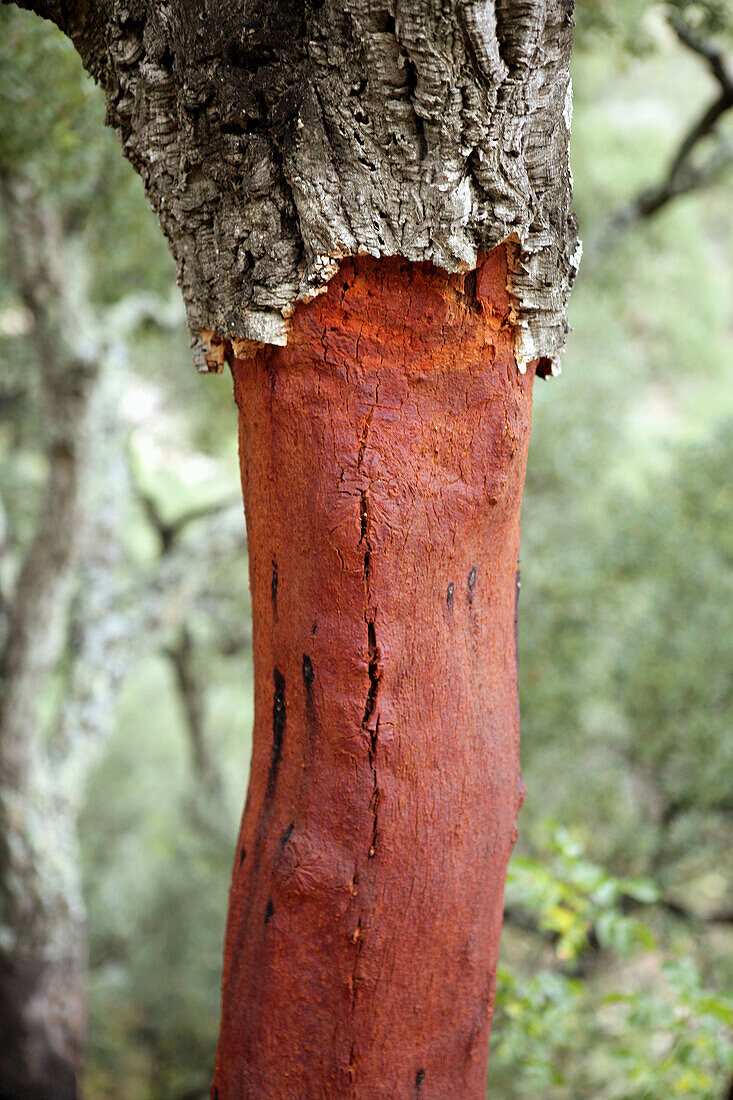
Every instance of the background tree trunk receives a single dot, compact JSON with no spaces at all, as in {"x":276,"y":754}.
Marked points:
{"x":42,"y":942}
{"x":72,"y":584}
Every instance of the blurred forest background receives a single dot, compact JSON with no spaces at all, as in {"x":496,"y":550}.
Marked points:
{"x":124,"y":618}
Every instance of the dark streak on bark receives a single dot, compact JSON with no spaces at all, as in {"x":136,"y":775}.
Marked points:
{"x":471,"y":585}
{"x":279,"y":715}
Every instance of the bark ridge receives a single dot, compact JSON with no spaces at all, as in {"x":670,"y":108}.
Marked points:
{"x":276,"y":138}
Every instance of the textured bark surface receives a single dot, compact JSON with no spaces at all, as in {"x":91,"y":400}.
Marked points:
{"x":383,"y":456}
{"x":309,"y":164}
{"x":275,"y":138}
{"x":42,"y":940}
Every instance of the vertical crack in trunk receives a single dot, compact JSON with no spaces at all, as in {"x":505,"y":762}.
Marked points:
{"x":358,"y":940}
{"x":374,"y":673}
{"x":374,"y":670}
{"x":394,"y":467}
{"x":374,"y":677}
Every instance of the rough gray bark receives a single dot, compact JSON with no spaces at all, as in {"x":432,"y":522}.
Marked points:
{"x":274,"y":138}
{"x":67,"y":380}
{"x":42,"y":956}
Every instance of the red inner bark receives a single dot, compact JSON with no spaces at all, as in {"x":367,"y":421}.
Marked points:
{"x":383,"y":457}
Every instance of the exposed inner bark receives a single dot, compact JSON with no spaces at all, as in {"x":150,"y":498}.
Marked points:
{"x":383,"y":458}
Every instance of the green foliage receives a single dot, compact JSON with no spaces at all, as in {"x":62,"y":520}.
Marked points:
{"x":52,"y":132}
{"x":672,"y":669}
{"x":709,"y":17}
{"x":687,"y":1026}
{"x":606,"y":20}
{"x":536,"y":1022}
{"x":630,"y":24}
{"x":53,"y":138}
{"x":626,"y":564}
{"x":574,"y":898}
{"x":659,"y":1033}
{"x":554,"y":1038}
{"x":158,"y":862}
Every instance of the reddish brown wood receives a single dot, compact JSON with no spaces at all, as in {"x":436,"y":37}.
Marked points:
{"x":383,"y":457}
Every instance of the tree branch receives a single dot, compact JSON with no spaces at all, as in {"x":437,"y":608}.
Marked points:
{"x":526,"y":920}
{"x":676,"y":909}
{"x":68,"y":380}
{"x":182,"y":657}
{"x":169,"y":531}
{"x":682,"y":175}
{"x":120,"y":617}
{"x":711,"y":53}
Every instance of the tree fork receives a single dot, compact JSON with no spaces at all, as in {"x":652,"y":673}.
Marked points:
{"x":383,"y":456}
